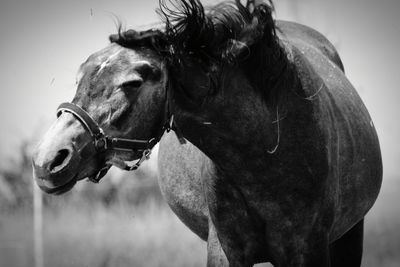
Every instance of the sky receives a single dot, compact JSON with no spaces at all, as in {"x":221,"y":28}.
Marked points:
{"x":43,"y":42}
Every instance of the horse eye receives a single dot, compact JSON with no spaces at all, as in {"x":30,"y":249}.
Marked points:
{"x":132,"y":84}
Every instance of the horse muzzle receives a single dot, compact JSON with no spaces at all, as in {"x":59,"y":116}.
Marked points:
{"x":55,"y":171}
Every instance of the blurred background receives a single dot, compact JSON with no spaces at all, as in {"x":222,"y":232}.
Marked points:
{"x":123,"y":221}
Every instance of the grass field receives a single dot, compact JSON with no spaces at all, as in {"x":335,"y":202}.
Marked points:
{"x":100,"y":236}
{"x":151,"y":235}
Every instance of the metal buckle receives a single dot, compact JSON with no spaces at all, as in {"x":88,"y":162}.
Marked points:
{"x":145,"y":156}
{"x":100,"y":141}
{"x":100,"y":174}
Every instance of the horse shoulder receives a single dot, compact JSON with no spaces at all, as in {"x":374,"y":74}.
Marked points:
{"x":181,"y":169}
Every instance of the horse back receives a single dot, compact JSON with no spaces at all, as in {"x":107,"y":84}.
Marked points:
{"x":298,"y":33}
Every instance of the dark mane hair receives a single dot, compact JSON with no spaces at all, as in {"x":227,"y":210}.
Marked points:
{"x":227,"y":33}
{"x":222,"y":31}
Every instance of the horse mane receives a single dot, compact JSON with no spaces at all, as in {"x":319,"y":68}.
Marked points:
{"x":226,"y":33}
{"x":221,"y":31}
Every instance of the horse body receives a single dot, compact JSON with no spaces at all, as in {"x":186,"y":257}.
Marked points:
{"x":283,"y":161}
{"x":350,"y":148}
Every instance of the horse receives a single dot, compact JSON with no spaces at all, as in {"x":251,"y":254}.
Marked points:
{"x":266,"y":150}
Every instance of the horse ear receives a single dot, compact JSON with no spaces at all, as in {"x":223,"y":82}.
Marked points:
{"x":113,"y":38}
{"x":154,"y":37}
{"x":150,"y":38}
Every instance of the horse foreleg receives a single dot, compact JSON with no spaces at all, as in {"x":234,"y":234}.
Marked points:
{"x":215,"y":254}
{"x":347,"y":250}
{"x":299,"y":249}
{"x":317,"y":256}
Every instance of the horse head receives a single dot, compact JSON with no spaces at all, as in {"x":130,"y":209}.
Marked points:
{"x":122,"y":90}
{"x":122,"y":105}
{"x":116,"y":115}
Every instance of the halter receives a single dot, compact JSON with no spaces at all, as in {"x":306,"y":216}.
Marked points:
{"x":103,"y":142}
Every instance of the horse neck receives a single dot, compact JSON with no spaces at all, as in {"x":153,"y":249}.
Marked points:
{"x":238,"y":128}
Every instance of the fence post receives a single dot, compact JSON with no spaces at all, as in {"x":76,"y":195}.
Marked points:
{"x":38,"y":225}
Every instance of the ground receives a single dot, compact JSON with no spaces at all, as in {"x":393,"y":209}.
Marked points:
{"x":151,"y":235}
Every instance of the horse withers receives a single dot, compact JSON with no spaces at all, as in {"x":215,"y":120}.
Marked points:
{"x":276,"y":160}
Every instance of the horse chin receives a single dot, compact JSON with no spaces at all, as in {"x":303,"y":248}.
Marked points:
{"x":59,"y":189}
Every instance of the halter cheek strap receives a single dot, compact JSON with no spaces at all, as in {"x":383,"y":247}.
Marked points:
{"x":103,"y":142}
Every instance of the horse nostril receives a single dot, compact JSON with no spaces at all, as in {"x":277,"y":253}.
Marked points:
{"x":59,"y":159}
